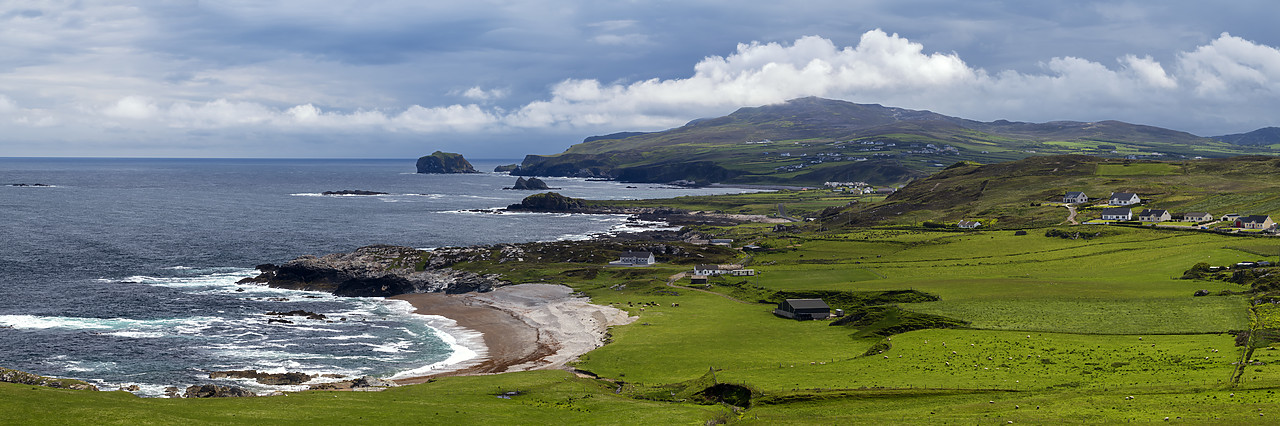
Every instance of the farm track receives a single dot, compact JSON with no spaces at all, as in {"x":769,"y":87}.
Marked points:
{"x":671,"y":282}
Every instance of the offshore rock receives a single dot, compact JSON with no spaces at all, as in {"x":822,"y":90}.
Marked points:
{"x":216,"y":391}
{"x":376,"y":271}
{"x":444,"y":162}
{"x":530,"y":184}
{"x":352,"y":192}
{"x":549,"y":202}
{"x":369,"y":381}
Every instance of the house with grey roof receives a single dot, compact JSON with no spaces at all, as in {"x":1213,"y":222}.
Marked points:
{"x":1075,"y":197}
{"x":1117,"y":213}
{"x":1123,"y":199}
{"x":1255,"y":222}
{"x":1154,"y":215}
{"x":1196,"y":217}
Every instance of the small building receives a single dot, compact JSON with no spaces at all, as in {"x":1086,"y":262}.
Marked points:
{"x":1254,"y":222}
{"x":1230,"y":217}
{"x":698,"y":279}
{"x":743,"y":272}
{"x":1154,"y":215}
{"x":1123,"y":199}
{"x":721,"y":242}
{"x":803,"y":309}
{"x":1074,"y":197}
{"x":966,"y":224}
{"x":1196,"y":217}
{"x":636,"y":258}
{"x":1118,"y":213}
{"x":708,"y":270}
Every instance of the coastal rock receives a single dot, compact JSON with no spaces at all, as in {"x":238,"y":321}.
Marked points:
{"x":299,"y":313}
{"x":376,"y":271}
{"x":275,"y":379}
{"x":369,"y":381}
{"x":506,"y":168}
{"x":549,"y":202}
{"x":216,"y":391}
{"x":444,"y":162}
{"x":25,"y":378}
{"x":353,"y":192}
{"x":530,"y":184}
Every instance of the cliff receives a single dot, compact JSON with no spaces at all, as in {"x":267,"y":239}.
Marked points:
{"x":444,"y":162}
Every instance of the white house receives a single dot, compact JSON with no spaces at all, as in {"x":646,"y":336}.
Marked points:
{"x":1117,"y":214}
{"x":743,"y":272}
{"x":1123,"y":199}
{"x":1255,"y":222}
{"x":969,"y":224}
{"x":1154,"y":215}
{"x":1230,"y":217}
{"x":1074,"y":197}
{"x":1196,"y":217}
{"x":708,"y":270}
{"x":636,"y":258}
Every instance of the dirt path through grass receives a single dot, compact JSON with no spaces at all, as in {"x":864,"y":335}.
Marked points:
{"x":1071,"y":216}
{"x":671,"y":282}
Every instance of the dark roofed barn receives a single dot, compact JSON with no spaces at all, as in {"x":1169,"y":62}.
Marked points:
{"x":803,"y":309}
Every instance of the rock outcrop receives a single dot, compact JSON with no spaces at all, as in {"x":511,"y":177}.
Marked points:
{"x":353,"y":192}
{"x":275,"y":379}
{"x":506,"y":168}
{"x":25,"y":378}
{"x":532,"y":183}
{"x":549,"y":202}
{"x":216,"y":391}
{"x":444,"y":162}
{"x":374,"y":271}
{"x":369,"y":381}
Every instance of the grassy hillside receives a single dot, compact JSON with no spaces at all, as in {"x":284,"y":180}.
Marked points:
{"x":808,"y":141}
{"x":1008,"y":194}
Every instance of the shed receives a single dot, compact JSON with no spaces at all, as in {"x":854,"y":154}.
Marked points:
{"x":803,"y":309}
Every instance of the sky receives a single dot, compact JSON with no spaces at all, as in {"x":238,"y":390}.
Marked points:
{"x":505,"y":78}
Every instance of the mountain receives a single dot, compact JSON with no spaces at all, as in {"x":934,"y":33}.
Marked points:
{"x":1263,"y":136}
{"x":812,"y":140}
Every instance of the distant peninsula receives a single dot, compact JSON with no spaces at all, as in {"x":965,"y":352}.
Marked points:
{"x":444,"y":162}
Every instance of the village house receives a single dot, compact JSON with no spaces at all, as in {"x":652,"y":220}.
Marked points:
{"x":1154,"y":215}
{"x":1254,"y":222}
{"x":1230,"y":217}
{"x":1196,"y":217}
{"x":803,"y":309}
{"x":1123,"y":199}
{"x":743,"y":272}
{"x":1075,"y":197}
{"x":635,"y":258}
{"x":698,"y":279}
{"x":1118,"y":213}
{"x":708,"y":270}
{"x":966,"y":224}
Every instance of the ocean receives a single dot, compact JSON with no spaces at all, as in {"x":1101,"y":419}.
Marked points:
{"x":123,"y":272}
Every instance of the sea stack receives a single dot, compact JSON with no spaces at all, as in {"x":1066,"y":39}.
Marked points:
{"x":530,"y":184}
{"x":444,"y":162}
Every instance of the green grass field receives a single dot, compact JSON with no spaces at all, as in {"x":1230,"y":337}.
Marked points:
{"x":1100,"y":329}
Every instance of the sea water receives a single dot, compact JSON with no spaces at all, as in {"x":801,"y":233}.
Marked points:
{"x":123,"y":271}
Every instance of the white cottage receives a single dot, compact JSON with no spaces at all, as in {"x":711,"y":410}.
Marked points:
{"x":1123,"y":199}
{"x":1117,"y":214}
{"x":636,"y":258}
{"x":1075,"y":197}
{"x":1154,"y":215}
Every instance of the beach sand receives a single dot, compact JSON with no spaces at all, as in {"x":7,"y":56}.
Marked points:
{"x":525,"y":326}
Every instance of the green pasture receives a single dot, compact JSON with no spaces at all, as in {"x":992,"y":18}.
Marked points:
{"x":545,"y":397}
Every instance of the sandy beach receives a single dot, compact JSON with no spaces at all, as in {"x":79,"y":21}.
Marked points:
{"x":525,"y":326}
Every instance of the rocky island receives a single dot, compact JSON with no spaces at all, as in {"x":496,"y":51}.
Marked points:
{"x":532,"y":184}
{"x":444,"y":162}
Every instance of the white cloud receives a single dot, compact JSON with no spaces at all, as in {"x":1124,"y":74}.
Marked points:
{"x":132,"y":107}
{"x":479,"y":94}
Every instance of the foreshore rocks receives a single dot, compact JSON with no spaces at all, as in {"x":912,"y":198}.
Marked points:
{"x":551,"y":202}
{"x":275,"y":379}
{"x":375,"y":271}
{"x":216,"y":391}
{"x":25,"y":378}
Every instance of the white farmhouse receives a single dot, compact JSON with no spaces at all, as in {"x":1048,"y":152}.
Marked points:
{"x":1117,"y":214}
{"x":1123,"y":199}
